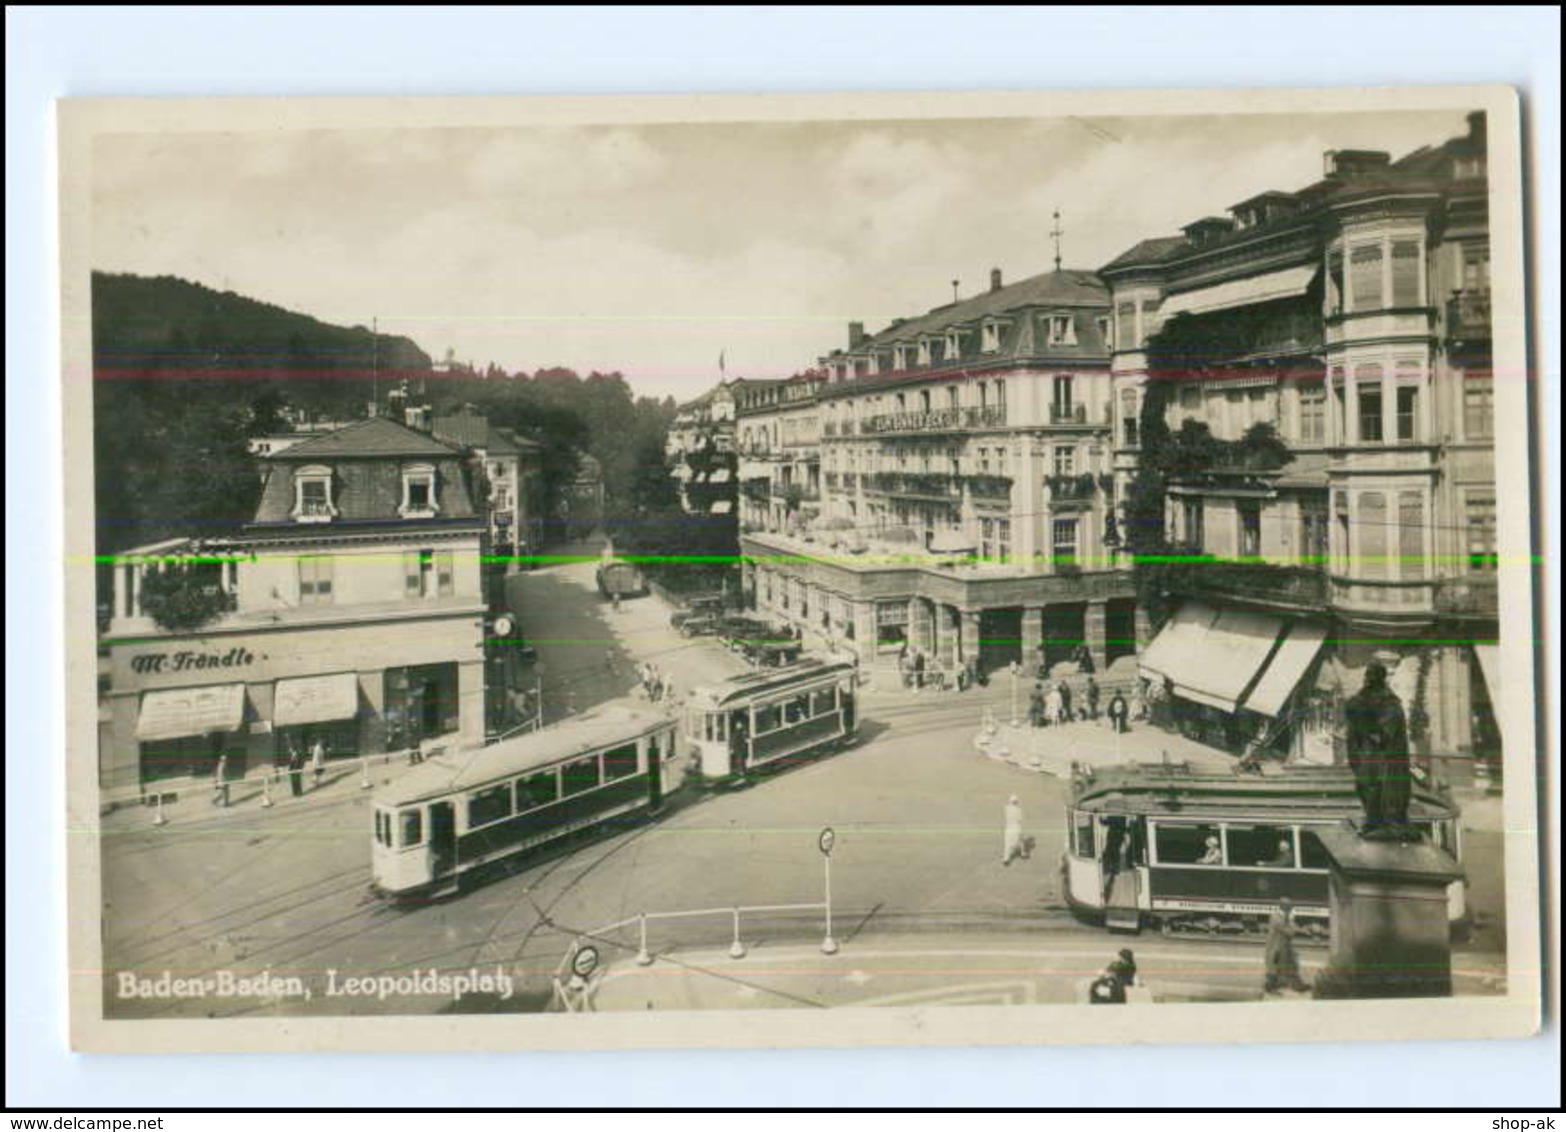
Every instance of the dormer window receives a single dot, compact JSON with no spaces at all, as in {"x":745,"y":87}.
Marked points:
{"x":990,"y":342}
{"x":1106,"y":331}
{"x":924,"y":351}
{"x":953,"y":344}
{"x":313,"y":495}
{"x":418,"y":492}
{"x":1062,"y":330}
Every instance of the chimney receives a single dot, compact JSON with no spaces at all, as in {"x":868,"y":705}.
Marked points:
{"x":1476,"y":126}
{"x":995,"y":279}
{"x":856,"y":335}
{"x":1348,"y":163}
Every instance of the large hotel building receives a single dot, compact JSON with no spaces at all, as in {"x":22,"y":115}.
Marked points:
{"x":976,"y":465}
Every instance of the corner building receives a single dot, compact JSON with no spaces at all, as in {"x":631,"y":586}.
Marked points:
{"x":1353,"y":316}
{"x":352,"y":611}
{"x":965,"y":486}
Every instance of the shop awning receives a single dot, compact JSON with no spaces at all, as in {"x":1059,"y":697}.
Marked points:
{"x":316,"y":699}
{"x":1212,"y":658}
{"x":1490,"y":664}
{"x":1235,"y":649}
{"x":1177,"y":648}
{"x":181,"y":713}
{"x":1283,"y":284}
{"x":1293,"y":659}
{"x":722,"y":507}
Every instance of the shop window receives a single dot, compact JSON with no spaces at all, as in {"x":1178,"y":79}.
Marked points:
{"x":580,"y":776}
{"x":489,"y":805}
{"x":620,"y":763}
{"x":315,"y":581}
{"x":1191,"y":524}
{"x":1249,"y":513}
{"x":412,"y":828}
{"x":1313,"y":533}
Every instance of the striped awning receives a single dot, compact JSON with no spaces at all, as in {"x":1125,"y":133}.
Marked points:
{"x":316,"y":699}
{"x":1490,"y":664}
{"x":182,"y":713}
{"x":1293,"y":659}
{"x":1212,"y":657}
{"x":1283,"y":284}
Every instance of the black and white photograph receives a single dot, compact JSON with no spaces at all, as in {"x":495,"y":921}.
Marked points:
{"x":581,"y":573}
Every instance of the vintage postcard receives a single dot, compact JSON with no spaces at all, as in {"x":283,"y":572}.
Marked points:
{"x":611,"y":573}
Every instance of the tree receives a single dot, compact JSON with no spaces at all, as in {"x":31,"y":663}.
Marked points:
{"x":182,"y":596}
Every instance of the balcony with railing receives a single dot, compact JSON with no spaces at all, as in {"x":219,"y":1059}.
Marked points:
{"x":1068,"y":414}
{"x":988,"y":486}
{"x":1076,"y":488}
{"x":952,"y":419}
{"x":928,"y":485}
{"x":1262,"y":583}
{"x":1468,"y":316}
{"x":1473,"y":596}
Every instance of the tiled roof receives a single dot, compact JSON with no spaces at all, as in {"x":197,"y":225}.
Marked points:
{"x":1052,"y":289}
{"x":1152,"y":251}
{"x":465,"y":430}
{"x":504,"y":442}
{"x":1427,"y":169}
{"x":368,"y":491}
{"x":369,"y":438}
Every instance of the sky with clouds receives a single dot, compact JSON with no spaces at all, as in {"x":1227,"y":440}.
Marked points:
{"x":650,"y":249}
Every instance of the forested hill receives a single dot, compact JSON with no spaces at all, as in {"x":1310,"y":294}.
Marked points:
{"x":183,"y":374}
{"x":164,"y":326}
